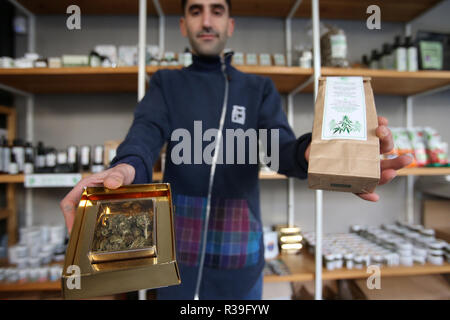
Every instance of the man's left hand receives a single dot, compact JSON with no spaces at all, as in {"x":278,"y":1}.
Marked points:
{"x":388,"y":167}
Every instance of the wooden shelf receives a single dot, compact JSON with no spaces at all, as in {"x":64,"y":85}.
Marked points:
{"x":30,"y":286}
{"x":302,"y":269}
{"x":157,"y":176}
{"x":286,"y":79}
{"x":122,"y":79}
{"x":400,"y":10}
{"x":300,"y":266}
{"x":391,"y":82}
{"x":424,"y":171}
{"x":71,"y":80}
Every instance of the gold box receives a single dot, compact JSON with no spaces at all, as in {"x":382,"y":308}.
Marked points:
{"x":122,"y":240}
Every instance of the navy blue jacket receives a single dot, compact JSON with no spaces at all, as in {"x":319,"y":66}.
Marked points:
{"x":175,"y":99}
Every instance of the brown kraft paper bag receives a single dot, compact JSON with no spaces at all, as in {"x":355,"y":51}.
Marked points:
{"x":345,"y":153}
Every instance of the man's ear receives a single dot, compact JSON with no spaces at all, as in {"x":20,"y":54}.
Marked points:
{"x":231,"y":24}
{"x":183,"y":27}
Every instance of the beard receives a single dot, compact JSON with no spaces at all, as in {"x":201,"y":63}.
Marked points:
{"x":208,"y":48}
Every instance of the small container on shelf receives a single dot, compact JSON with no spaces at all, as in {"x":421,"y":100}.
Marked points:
{"x":43,"y":274}
{"x":22,"y":275}
{"x":436,"y":257}
{"x":33,"y":275}
{"x":12,"y":275}
{"x":329,"y":261}
{"x":348,"y":258}
{"x":421,"y":260}
{"x":34,"y":262}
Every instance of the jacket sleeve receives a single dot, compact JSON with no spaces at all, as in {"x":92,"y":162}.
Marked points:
{"x":148,"y":133}
{"x":292,"y":162}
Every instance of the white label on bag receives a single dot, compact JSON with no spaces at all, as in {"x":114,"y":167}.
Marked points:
{"x":344,"y":114}
{"x":338,"y":46}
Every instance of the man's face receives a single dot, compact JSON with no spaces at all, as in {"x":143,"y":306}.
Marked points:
{"x":208,"y":26}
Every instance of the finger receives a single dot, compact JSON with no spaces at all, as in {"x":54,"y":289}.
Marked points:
{"x":382,"y":121}
{"x":70,"y":202}
{"x":114,"y":179}
{"x":387,"y":176}
{"x":372,"y":197}
{"x":386,"y":140}
{"x":397,"y":163}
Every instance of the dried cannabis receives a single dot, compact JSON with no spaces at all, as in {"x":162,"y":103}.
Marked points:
{"x":124,"y":226}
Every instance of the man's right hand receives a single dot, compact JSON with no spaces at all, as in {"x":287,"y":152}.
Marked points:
{"x":122,"y":174}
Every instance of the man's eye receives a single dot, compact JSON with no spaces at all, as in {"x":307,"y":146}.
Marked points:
{"x":195,"y":12}
{"x":218,"y":12}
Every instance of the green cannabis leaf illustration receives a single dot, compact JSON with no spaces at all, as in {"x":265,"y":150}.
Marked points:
{"x":332,"y":124}
{"x":346,"y":125}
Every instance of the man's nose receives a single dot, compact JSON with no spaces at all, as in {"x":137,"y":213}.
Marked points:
{"x":206,"y":20}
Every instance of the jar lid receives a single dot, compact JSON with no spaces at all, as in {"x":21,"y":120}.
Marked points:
{"x":436,"y":253}
{"x":329,"y":257}
{"x":437,"y":245}
{"x":428,"y":232}
{"x":404,"y":245}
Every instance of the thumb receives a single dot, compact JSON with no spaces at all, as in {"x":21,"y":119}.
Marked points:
{"x":114,"y":179}
{"x":123,"y":174}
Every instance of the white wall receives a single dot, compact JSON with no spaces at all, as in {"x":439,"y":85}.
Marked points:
{"x":61,"y":120}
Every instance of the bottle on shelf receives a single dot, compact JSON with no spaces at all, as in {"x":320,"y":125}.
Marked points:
{"x":50,"y":160}
{"x":19,"y":153}
{"x":6,"y":155}
{"x":29,"y":165}
{"x":386,"y":58}
{"x":412,"y":57}
{"x":365,"y":61}
{"x":85,"y":158}
{"x":72,"y":158}
{"x":97,"y":165}
{"x":62,"y":165}
{"x":400,"y":55}
{"x":375,"y":60}
{"x":39,"y":166}
{"x":13,"y":165}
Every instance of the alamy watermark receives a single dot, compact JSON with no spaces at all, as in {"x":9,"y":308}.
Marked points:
{"x":374,"y":21}
{"x":73,"y":22}
{"x":74,"y":280}
{"x":374,"y":280}
{"x":235,"y":140}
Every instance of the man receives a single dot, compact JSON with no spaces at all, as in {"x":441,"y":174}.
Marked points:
{"x":223,"y":198}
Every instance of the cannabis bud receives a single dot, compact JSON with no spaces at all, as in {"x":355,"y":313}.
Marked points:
{"x":123,"y":226}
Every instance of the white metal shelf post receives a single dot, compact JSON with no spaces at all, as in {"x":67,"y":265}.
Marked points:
{"x":319,"y":193}
{"x":141,"y":72}
{"x":290,"y":106}
{"x":290,"y":112}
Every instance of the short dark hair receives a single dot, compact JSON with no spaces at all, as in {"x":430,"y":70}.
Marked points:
{"x":184,"y":2}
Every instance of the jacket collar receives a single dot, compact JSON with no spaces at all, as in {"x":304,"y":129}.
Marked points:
{"x":203,"y":63}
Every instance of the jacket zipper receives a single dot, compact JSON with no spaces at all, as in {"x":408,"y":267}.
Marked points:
{"x":211,"y":178}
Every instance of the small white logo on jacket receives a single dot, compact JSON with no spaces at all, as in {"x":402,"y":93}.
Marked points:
{"x":238,"y":115}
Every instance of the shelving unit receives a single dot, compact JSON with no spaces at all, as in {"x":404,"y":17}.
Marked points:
{"x":31,"y":286}
{"x":288,"y":80}
{"x":157,"y":176}
{"x":302,"y":269}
